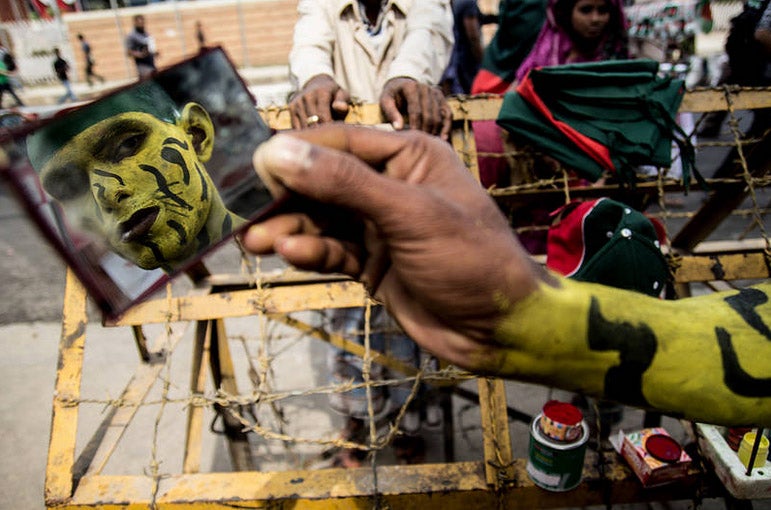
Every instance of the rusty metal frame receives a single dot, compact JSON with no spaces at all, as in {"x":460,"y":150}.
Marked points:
{"x":497,"y":481}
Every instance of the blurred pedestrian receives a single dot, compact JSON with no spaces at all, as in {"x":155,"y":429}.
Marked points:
{"x":199,"y":35}
{"x":62,"y":68}
{"x":7,"y":72}
{"x":90,"y":74}
{"x":141,"y":47}
{"x":468,"y":51}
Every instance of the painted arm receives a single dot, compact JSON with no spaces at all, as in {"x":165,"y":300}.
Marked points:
{"x":705,"y":358}
{"x":435,"y":249}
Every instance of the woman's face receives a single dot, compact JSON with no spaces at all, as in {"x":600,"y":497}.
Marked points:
{"x":590,"y":18}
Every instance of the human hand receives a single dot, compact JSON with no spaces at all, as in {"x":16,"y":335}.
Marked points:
{"x":425,"y":105}
{"x":320,"y":101}
{"x":418,"y":231}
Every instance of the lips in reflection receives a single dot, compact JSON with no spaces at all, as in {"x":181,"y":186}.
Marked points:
{"x":139,"y":224}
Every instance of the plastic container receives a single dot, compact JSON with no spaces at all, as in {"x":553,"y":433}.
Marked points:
{"x":745,"y":450}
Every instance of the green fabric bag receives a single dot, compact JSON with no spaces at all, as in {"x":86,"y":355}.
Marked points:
{"x":620,"y":113}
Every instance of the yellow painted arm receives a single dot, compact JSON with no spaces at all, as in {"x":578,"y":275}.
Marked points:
{"x":705,"y":358}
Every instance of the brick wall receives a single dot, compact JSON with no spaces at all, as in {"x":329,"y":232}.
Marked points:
{"x":253,"y":32}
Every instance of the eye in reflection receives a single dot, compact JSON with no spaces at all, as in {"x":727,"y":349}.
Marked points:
{"x":128,"y":147}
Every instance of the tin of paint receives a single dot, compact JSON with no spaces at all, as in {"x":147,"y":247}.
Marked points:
{"x":561,"y":421}
{"x":555,"y":465}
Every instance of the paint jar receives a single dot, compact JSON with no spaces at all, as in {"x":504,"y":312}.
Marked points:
{"x":556,"y":465}
{"x":561,"y":421}
{"x":745,"y":450}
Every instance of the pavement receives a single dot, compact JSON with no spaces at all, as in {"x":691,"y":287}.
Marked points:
{"x":30,"y":326}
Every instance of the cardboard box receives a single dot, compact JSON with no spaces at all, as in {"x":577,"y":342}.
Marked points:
{"x":650,"y":470}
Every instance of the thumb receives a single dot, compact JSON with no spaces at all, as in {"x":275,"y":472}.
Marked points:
{"x":391,"y":111}
{"x":341,"y":100}
{"x":324,"y":175}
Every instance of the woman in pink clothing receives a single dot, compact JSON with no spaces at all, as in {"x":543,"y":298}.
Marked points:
{"x":572,"y":31}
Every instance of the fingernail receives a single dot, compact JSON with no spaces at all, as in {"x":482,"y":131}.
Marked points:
{"x":289,"y":154}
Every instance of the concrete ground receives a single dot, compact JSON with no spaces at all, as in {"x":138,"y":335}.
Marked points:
{"x":30,"y":313}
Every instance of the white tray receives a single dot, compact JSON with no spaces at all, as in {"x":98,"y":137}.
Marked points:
{"x":729,"y":469}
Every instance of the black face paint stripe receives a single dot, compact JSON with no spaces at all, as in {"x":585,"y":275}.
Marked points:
{"x":204,"y":185}
{"x":227,"y":225}
{"x":110,"y":175}
{"x":163,"y":186}
{"x":155,"y":249}
{"x":175,"y":141}
{"x":179,"y":230}
{"x":100,"y":192}
{"x":203,"y":239}
{"x":636,"y":346}
{"x":174,"y":157}
{"x":734,"y":376}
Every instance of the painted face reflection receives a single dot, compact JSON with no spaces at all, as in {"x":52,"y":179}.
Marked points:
{"x":136,"y":181}
{"x":590,"y":18}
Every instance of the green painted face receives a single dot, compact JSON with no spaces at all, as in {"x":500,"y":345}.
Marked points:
{"x":138,"y":182}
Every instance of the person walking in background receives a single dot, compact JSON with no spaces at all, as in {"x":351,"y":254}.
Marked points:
{"x":141,"y":47}
{"x":199,"y":35}
{"x":62,"y":69}
{"x":7,"y":72}
{"x":89,"y":60}
{"x":468,"y":51}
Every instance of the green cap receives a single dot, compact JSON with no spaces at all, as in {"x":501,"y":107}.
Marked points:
{"x":145,"y":97}
{"x":607,"y":242}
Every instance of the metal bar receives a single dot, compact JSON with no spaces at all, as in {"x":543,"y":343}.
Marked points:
{"x":343,"y":343}
{"x":64,"y":419}
{"x":429,"y":486}
{"x":194,"y":428}
{"x":512,"y":413}
{"x":224,"y":377}
{"x":268,"y":300}
{"x":141,"y":342}
{"x":704,"y":268}
{"x":499,"y":459}
{"x":465,"y":146}
{"x":487,"y":107}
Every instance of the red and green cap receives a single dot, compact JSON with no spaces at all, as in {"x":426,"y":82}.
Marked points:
{"x":607,"y":242}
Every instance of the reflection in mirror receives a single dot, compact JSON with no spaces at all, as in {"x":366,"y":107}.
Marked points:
{"x":136,"y":186}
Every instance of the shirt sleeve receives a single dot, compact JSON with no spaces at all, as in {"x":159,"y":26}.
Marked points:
{"x":427,"y":47}
{"x":312,"y":44}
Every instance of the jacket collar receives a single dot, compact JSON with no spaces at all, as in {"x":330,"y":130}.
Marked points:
{"x":402,"y":5}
